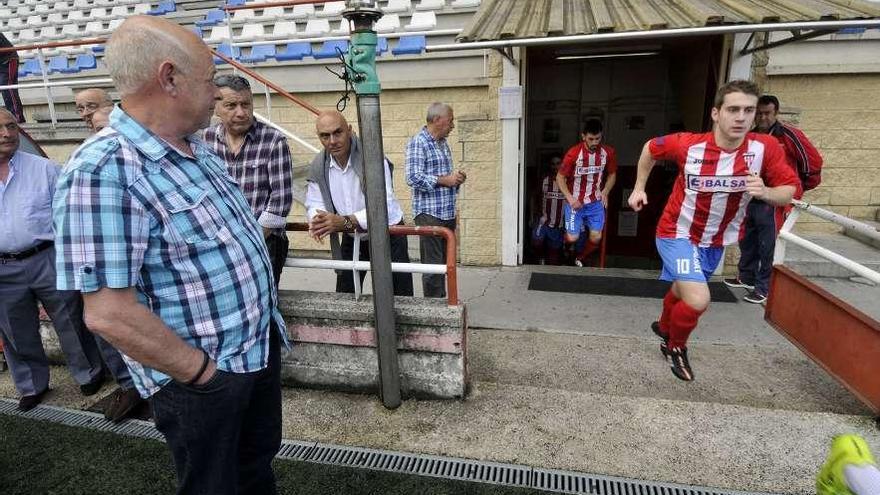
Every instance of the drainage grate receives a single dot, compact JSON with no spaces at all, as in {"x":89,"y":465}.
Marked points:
{"x":400,"y":462}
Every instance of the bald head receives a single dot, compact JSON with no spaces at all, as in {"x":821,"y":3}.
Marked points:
{"x":334,"y":132}
{"x":142,"y":44}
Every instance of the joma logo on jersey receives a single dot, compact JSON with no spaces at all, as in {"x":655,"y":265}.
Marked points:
{"x":588,"y":170}
{"x":716,"y":183}
{"x":553,"y":195}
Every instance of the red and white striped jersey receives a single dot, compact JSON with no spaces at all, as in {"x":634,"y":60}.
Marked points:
{"x":552,"y":201}
{"x":584,"y":169}
{"x":708,"y":201}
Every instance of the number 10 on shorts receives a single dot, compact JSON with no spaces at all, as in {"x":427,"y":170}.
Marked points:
{"x":683,"y":266}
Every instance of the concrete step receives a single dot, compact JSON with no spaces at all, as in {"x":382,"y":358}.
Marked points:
{"x":812,"y":265}
{"x":861,"y":237}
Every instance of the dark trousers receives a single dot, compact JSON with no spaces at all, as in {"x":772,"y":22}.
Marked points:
{"x":757,"y":245}
{"x":224,"y":434}
{"x":433,"y":251}
{"x":403,"y":283}
{"x":278,"y":245}
{"x":11,"y":100}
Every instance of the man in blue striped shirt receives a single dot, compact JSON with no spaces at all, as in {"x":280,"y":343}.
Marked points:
{"x":172,"y":264}
{"x":435,"y":187}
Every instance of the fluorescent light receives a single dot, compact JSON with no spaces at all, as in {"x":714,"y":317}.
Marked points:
{"x":606,"y":55}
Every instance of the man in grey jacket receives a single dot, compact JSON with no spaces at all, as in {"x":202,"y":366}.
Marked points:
{"x":335,"y":201}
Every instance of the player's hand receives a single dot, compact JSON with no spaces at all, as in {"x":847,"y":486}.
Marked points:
{"x":575,"y":205}
{"x":605,"y":200}
{"x":637,"y":200}
{"x":755,"y":186}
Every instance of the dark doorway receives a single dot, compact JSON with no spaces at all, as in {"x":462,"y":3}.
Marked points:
{"x":638,"y":92}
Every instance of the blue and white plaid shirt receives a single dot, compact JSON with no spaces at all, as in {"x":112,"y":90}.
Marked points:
{"x":426,"y":160}
{"x":132,"y":211}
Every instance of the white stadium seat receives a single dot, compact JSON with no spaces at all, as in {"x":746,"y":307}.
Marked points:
{"x":115,"y":23}
{"x":316,"y":27}
{"x":219,"y":34}
{"x":95,"y":28}
{"x":332,"y":9}
{"x":15,"y":23}
{"x":465,"y":4}
{"x":243,"y":15}
{"x":62,"y":6}
{"x":141,"y":8}
{"x":283,"y":30}
{"x":431,"y":5}
{"x":5,"y":13}
{"x":27,"y":36}
{"x":119,"y":11}
{"x":82,"y":4}
{"x":422,"y":21}
{"x":56,"y":18}
{"x":75,"y":16}
{"x":303,"y":11}
{"x":398,"y":6}
{"x":99,"y":13}
{"x":70,"y":31}
{"x":49,"y":33}
{"x":251,"y":32}
{"x":23,"y":11}
{"x":35,"y":21}
{"x":388,"y":23}
{"x":42,"y":8}
{"x":271,"y":13}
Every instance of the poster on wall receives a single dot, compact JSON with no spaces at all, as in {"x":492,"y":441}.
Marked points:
{"x":627,"y":224}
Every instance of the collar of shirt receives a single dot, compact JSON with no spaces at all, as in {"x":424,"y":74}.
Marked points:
{"x":250,"y":135}
{"x":427,"y":135}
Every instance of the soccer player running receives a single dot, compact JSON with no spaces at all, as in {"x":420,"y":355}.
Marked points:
{"x":721,"y":171}
{"x":579,"y":180}
{"x":547,"y":234}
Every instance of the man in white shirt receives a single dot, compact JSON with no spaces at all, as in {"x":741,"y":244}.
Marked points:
{"x":335,"y":201}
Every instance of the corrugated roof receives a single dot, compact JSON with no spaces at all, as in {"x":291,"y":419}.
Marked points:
{"x":505,"y":19}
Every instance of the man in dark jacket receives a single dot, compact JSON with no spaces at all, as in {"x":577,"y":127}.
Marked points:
{"x":9,"y":75}
{"x":335,"y":201}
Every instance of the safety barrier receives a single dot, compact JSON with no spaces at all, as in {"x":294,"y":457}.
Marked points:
{"x":355,"y":265}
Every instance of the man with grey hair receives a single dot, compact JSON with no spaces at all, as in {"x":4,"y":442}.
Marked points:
{"x":258,"y":158}
{"x":88,"y":101}
{"x":172,"y":264}
{"x":435,"y":187}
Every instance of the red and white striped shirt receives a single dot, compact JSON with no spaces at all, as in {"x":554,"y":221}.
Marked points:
{"x":584,"y":169}
{"x":708,"y":200}
{"x":552,"y":200}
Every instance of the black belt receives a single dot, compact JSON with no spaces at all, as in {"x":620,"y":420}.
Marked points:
{"x":27,"y":253}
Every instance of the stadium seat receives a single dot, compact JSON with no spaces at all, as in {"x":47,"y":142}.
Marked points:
{"x":71,"y":31}
{"x":32,"y":66}
{"x":431,"y":5}
{"x":141,"y":9}
{"x":56,"y":19}
{"x":73,"y":16}
{"x":49,"y":33}
{"x":316,"y":28}
{"x":388,"y":23}
{"x":27,"y":36}
{"x":251,"y":32}
{"x":271,"y":14}
{"x":302,"y":11}
{"x":119,"y":11}
{"x":35,"y":21}
{"x":422,"y":21}
{"x":94,"y":28}
{"x":211,"y":18}
{"x":99,"y":13}
{"x":61,"y":6}
{"x":42,"y":8}
{"x":329,"y":49}
{"x":23,"y":11}
{"x":343,"y":30}
{"x":410,"y":45}
{"x":219,"y":34}
{"x":332,"y":9}
{"x":5,"y":13}
{"x":15,"y":23}
{"x":397,"y":6}
{"x":97,"y":49}
{"x":227,"y":50}
{"x":465,"y":4}
{"x":235,"y":3}
{"x":381,"y":46}
{"x":82,"y":4}
{"x":58,"y":64}
{"x":243,"y":15}
{"x":163,"y":8}
{"x":86,"y":61}
{"x":115,"y":23}
{"x":294,"y":51}
{"x":259,"y":53}
{"x":283,"y":30}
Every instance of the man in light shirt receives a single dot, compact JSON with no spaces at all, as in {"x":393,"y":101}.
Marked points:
{"x":335,"y":201}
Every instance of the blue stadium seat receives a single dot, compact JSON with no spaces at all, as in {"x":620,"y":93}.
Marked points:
{"x":328,"y":49}
{"x":382,"y":46}
{"x":410,"y":45}
{"x":31,"y":67}
{"x":85,"y":61}
{"x":294,"y":51}
{"x":98,"y":49}
{"x":235,"y":3}
{"x":163,"y":8}
{"x":227,"y":50}
{"x":851,"y":30}
{"x":211,"y":18}
{"x":259,"y":53}
{"x":59,"y":64}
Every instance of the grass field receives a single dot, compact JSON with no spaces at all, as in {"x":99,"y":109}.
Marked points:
{"x":38,"y":457}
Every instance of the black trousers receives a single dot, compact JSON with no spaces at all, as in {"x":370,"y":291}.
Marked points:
{"x":278,"y":246}
{"x":757,"y":246}
{"x":224,"y":434}
{"x":433,"y":251}
{"x":403,"y":283}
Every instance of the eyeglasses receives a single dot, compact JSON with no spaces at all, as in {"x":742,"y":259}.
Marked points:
{"x":87,"y":107}
{"x":236,"y":83}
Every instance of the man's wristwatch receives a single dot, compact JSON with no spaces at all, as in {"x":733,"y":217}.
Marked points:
{"x":346,"y":223}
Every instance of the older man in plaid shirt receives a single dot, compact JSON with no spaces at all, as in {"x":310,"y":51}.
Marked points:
{"x":172,"y":264}
{"x":435,"y":187}
{"x":258,"y":158}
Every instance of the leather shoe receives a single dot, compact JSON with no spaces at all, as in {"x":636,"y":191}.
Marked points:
{"x":124,"y":402}
{"x":28,"y":402}
{"x":93,"y":386}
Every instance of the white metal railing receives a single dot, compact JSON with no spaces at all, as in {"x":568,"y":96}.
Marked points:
{"x":787,"y":236}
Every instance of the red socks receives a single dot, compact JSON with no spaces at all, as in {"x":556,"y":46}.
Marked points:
{"x":589,"y":248}
{"x":668,"y":303}
{"x":682,"y":321}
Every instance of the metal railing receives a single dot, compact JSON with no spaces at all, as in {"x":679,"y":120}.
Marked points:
{"x":787,"y":236}
{"x":356,"y":266}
